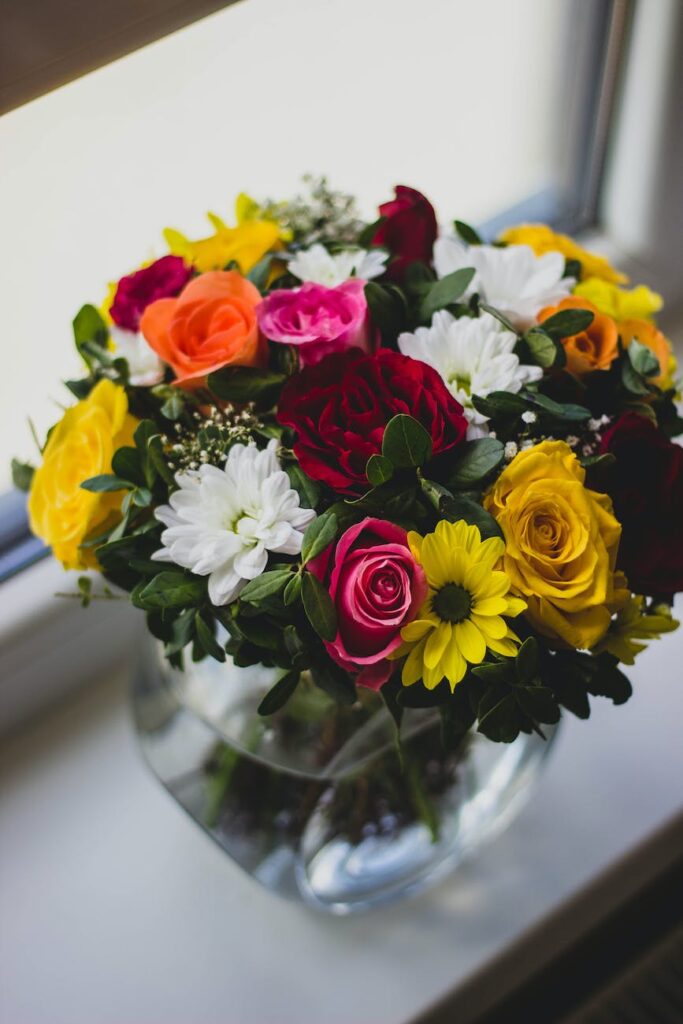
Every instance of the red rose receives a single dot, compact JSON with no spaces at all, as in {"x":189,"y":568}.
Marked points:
{"x":377,"y":587}
{"x":162,"y":279}
{"x":409,"y":230}
{"x":647,"y":489}
{"x":340,"y":407}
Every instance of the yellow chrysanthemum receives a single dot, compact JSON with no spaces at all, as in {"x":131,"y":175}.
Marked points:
{"x":620,"y":303}
{"x":461,"y":618}
{"x":542,"y":239}
{"x":633,"y":624}
{"x":246,"y":244}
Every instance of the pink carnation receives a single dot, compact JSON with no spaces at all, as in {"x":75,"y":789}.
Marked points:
{"x":317,"y":320}
{"x":377,"y":587}
{"x":162,"y":279}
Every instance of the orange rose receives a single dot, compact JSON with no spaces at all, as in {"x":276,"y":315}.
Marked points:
{"x":647,"y":334}
{"x":211,"y":324}
{"x":597,"y":347}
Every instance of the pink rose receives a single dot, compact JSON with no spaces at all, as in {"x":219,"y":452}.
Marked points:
{"x":377,"y":587}
{"x":317,"y":320}
{"x":135,"y":292}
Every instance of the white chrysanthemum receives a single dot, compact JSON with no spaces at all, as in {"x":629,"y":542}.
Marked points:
{"x":474,"y":357}
{"x":146,"y":369}
{"x":511,"y":278}
{"x":322,"y":267}
{"x":222,"y":523}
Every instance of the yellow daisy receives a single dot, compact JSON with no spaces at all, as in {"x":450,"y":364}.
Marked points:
{"x":461,"y":617}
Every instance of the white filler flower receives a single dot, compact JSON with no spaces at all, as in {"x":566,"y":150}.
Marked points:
{"x":222,"y":523}
{"x":144,"y":365}
{"x":474,"y":357}
{"x":322,"y":267}
{"x":511,"y":278}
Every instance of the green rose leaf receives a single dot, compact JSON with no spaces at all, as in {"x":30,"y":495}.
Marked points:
{"x":460,"y":507}
{"x":171,"y":590}
{"x":379,"y":470}
{"x":279,"y":694}
{"x":567,"y":323}
{"x":406,"y":443}
{"x":446,"y":291}
{"x":476,"y":460}
{"x":265,"y":585}
{"x":643,"y":360}
{"x":545,"y":351}
{"x":246,"y":384}
{"x":319,"y":607}
{"x":319,"y":534}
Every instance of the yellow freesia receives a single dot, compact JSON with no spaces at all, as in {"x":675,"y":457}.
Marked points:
{"x":80,"y":446}
{"x":245,"y":244}
{"x":542,"y":239}
{"x":561,"y":543}
{"x":638,"y":303}
{"x":633,"y":624}
{"x":462,"y":615}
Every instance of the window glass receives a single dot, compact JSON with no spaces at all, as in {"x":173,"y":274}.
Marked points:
{"x":465,"y":101}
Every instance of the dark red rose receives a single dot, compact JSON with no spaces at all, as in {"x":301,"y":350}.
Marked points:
{"x":647,"y":490}
{"x":162,"y":279}
{"x":409,"y":231}
{"x":340,"y":407}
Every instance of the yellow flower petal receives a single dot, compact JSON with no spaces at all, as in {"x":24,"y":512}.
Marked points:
{"x":436,"y":644}
{"x":470,"y":641}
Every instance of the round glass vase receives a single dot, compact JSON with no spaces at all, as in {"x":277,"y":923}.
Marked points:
{"x":314,"y":802}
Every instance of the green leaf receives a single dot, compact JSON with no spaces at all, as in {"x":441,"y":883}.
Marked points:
{"x":387,"y":308}
{"x":246,"y":384}
{"x":260,"y":272}
{"x":90,"y":334}
{"x":567,"y":323}
{"x":500,"y":672}
{"x":476,"y":460}
{"x":564,"y":411}
{"x":335,"y":682}
{"x":497,"y":315}
{"x":172,"y":590}
{"x":434,"y":491}
{"x":307,"y":489}
{"x":279,"y":694}
{"x":207,"y":639}
{"x":460,"y":507}
{"x":632,"y":381}
{"x":369,"y":231}
{"x":263,"y":586}
{"x":126,"y":465}
{"x":538,"y":703}
{"x":293,"y":590}
{"x":155,"y":453}
{"x":468,"y":234}
{"x":500,"y":403}
{"x":405,"y":442}
{"x":105,"y":482}
{"x":319,"y":607}
{"x":500,"y":719}
{"x":446,"y":291}
{"x":526,"y":662}
{"x":173,"y":407}
{"x":643,"y":360}
{"x":545,"y":351}
{"x":379,"y":470}
{"x":22,"y":475}
{"x":319,"y":535}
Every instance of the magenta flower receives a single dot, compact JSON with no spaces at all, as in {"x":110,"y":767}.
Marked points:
{"x":317,"y":320}
{"x":162,"y":279}
{"x":377,"y":587}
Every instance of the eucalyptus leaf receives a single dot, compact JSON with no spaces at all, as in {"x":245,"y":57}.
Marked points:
{"x":545,"y":351}
{"x":446,"y":291}
{"x":379,"y":470}
{"x":568,"y":322}
{"x":460,"y":507}
{"x":475,"y":461}
{"x":643,"y":360}
{"x":406,"y":443}
{"x":126,"y":465}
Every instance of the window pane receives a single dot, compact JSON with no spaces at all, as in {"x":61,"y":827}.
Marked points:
{"x":464,"y":101}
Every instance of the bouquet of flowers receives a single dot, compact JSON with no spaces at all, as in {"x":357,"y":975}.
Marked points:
{"x":383,"y":455}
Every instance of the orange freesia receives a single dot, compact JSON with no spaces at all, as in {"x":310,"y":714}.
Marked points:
{"x":647,"y":334}
{"x":597,"y":347}
{"x":211,"y":324}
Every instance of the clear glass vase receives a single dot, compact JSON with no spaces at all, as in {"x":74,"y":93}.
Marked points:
{"x":315,"y":802}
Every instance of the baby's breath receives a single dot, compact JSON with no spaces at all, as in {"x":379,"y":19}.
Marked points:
{"x":209,"y":440}
{"x":323,"y":215}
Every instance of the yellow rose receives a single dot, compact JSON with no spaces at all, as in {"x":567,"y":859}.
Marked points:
{"x":561,"y":544}
{"x":246,"y":244}
{"x":81,"y":445}
{"x":542,"y":239}
{"x":620,"y":303}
